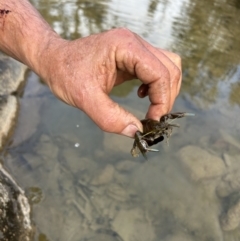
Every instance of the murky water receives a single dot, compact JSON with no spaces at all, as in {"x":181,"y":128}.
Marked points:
{"x":84,"y":185}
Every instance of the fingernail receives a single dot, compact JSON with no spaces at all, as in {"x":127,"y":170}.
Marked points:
{"x":129,"y":131}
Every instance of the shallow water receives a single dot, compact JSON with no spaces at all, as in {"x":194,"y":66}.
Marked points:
{"x":84,"y":185}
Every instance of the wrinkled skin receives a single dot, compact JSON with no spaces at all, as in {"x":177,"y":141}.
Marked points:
{"x":82,"y":72}
{"x":154,"y":132}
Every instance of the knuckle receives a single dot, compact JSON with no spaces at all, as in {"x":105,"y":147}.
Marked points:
{"x":124,"y":36}
{"x":177,"y":74}
{"x":165,"y":75}
{"x":124,"y":32}
{"x":177,"y":60}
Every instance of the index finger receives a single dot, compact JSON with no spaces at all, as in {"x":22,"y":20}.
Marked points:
{"x":172,"y":62}
{"x":142,"y":63}
{"x":151,"y":71}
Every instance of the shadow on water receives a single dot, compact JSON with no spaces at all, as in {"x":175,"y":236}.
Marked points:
{"x":84,"y":185}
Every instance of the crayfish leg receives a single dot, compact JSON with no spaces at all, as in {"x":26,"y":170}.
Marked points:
{"x":175,"y":115}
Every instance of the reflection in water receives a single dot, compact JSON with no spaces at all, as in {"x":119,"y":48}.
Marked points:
{"x":95,"y":190}
{"x":204,"y":33}
{"x":207,"y":40}
{"x":234,"y":96}
{"x":74,"y":19}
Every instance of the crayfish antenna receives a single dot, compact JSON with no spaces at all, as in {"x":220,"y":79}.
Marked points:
{"x":153,"y":150}
{"x":189,"y":114}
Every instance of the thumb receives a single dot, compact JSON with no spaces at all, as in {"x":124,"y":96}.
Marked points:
{"x":110,"y":116}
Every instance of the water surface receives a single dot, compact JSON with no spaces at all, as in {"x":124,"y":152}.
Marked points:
{"x":83,"y":184}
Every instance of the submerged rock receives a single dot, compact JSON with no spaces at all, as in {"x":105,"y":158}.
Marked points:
{"x":15,"y":222}
{"x":178,"y":236}
{"x":231,"y":220}
{"x":104,"y":177}
{"x":230,"y":139}
{"x":12,"y":75}
{"x":229,"y":184}
{"x":131,"y":225}
{"x":103,"y":236}
{"x":8,"y":112}
{"x":11,"y":79}
{"x":228,"y":190}
{"x":201,"y":164}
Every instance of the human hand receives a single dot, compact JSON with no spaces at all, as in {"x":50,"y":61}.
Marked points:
{"x":83,"y":72}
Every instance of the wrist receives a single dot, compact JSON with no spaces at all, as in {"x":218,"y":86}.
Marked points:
{"x":50,"y":59}
{"x":24,"y":34}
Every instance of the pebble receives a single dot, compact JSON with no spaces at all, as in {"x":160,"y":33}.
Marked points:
{"x":231,"y":219}
{"x":230,"y":139}
{"x":229,"y":183}
{"x":200,"y":164}
{"x":117,"y":192}
{"x":131,"y":225}
{"x":178,"y":236}
{"x":104,"y":177}
{"x":227,"y":160}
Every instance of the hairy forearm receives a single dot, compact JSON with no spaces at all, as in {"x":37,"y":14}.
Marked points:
{"x":24,"y":34}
